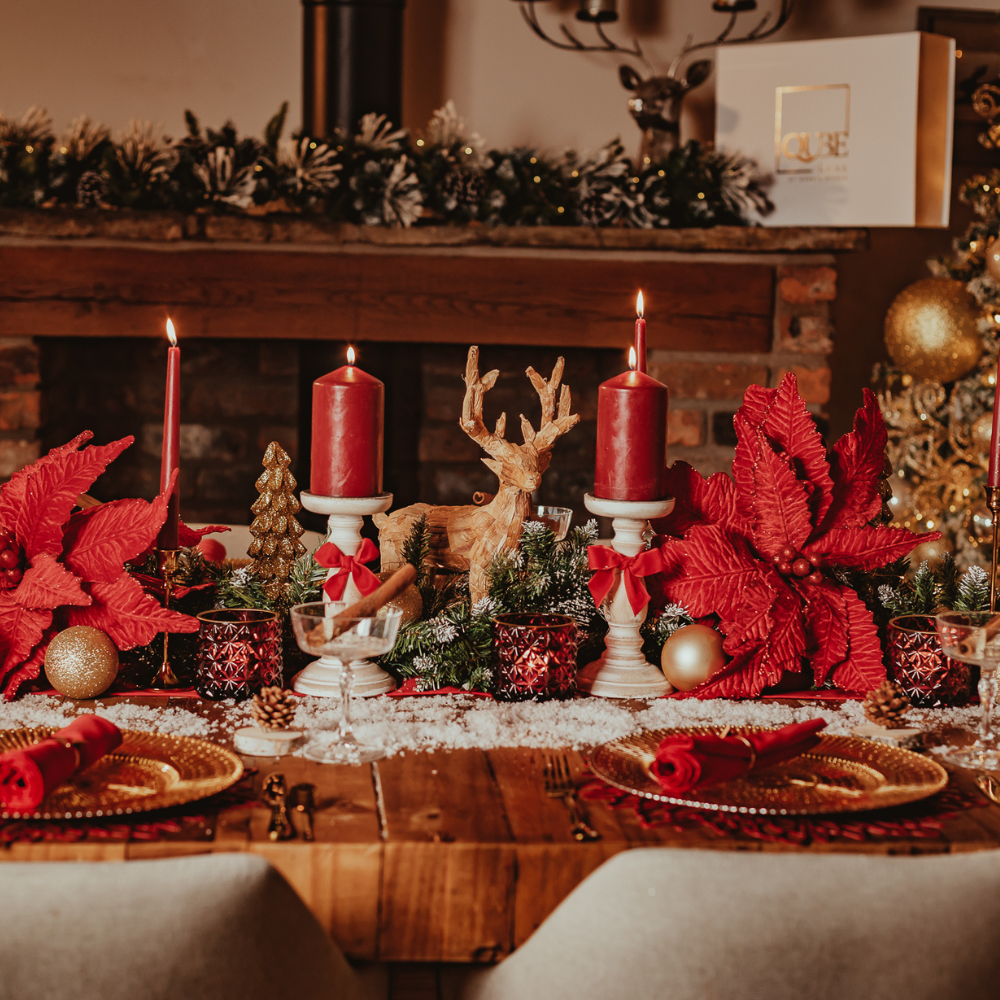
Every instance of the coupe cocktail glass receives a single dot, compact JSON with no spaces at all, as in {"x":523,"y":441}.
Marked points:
{"x":318,"y":632}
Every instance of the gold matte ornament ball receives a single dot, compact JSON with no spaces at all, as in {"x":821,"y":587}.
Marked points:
{"x":931,"y":330}
{"x":982,"y":430}
{"x":691,"y":655}
{"x":81,"y":662}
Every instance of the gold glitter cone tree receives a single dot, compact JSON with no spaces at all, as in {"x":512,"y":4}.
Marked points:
{"x":937,"y":395}
{"x":276,"y":532}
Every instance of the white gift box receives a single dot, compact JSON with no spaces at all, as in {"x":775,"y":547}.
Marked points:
{"x":854,"y":131}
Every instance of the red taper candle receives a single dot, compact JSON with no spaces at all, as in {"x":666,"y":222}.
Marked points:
{"x":640,"y":335}
{"x":993,"y":476}
{"x":347,"y":415}
{"x":631,"y":437}
{"x":171,"y":455}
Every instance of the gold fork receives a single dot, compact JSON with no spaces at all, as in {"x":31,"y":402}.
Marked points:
{"x":559,"y":785}
{"x":988,"y":785}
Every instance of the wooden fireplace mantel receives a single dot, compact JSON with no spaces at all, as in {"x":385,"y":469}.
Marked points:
{"x":119,"y":274}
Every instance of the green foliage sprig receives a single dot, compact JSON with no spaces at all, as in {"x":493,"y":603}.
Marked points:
{"x":938,"y":589}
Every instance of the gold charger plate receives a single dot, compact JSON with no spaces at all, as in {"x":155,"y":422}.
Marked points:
{"x":840,"y":774}
{"x":148,"y":771}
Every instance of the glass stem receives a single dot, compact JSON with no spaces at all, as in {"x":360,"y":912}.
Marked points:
{"x":344,"y":733}
{"x":987,"y":696}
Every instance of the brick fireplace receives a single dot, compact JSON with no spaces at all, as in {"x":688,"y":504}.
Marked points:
{"x":263,"y":308}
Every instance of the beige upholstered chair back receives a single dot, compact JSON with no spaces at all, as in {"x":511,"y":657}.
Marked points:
{"x":723,"y":925}
{"x":210,"y":927}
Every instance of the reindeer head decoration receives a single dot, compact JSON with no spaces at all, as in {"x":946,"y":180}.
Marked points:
{"x":656,"y":106}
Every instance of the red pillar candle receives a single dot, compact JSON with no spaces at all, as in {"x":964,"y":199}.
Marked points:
{"x":993,"y":476}
{"x":631,"y":437}
{"x":640,"y":335}
{"x":171,"y":453}
{"x":347,"y":415}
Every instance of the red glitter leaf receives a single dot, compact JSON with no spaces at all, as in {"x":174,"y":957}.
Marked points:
{"x":783,"y":416}
{"x":774,"y":502}
{"x":21,"y":629}
{"x":863,"y":669}
{"x":696,"y":500}
{"x":710,"y":570}
{"x":50,"y":493}
{"x":100,"y":539}
{"x":866,"y":547}
{"x":128,"y":615}
{"x":48,"y":584}
{"x":826,"y":627}
{"x":188,"y":536}
{"x":858,"y":459}
{"x":30,"y":668}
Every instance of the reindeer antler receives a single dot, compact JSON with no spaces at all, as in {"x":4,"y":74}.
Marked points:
{"x":553,"y":425}
{"x":493,"y":443}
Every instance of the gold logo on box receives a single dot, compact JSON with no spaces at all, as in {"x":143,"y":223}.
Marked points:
{"x":811,"y":128}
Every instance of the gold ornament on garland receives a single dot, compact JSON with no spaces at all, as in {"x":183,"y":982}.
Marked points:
{"x":409,"y":601}
{"x":81,"y":662}
{"x":691,"y":655}
{"x":931,"y":330}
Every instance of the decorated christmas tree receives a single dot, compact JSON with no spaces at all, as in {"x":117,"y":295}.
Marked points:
{"x":937,"y":394}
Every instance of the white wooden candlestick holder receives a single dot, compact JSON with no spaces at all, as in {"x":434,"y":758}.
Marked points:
{"x":346,"y":518}
{"x":622,"y":671}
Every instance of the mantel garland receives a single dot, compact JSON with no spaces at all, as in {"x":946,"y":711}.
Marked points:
{"x":378,"y":177}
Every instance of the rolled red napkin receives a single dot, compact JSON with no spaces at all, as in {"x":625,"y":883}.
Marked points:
{"x":27,"y":776}
{"x":685,"y":762}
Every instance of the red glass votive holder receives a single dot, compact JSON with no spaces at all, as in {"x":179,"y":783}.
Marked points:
{"x":919,"y":666}
{"x":239,"y":652}
{"x":534,"y":657}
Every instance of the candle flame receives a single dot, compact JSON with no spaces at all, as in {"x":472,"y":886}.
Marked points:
{"x":350,"y":355}
{"x":638,"y":304}
{"x":631,"y":358}
{"x":171,"y":335}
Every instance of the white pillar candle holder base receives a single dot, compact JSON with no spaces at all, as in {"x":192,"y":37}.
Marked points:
{"x":346,"y":517}
{"x":622,"y":671}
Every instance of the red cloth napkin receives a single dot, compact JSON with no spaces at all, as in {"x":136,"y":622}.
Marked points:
{"x":27,"y":776}
{"x":684,"y":762}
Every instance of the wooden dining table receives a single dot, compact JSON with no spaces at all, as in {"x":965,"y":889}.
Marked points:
{"x":452,"y":855}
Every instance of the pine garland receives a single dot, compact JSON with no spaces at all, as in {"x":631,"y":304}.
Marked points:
{"x":939,"y":588}
{"x":377,"y":177}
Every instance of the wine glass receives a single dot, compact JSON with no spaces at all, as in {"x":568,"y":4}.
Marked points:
{"x":974,"y":637}
{"x":317,"y":631}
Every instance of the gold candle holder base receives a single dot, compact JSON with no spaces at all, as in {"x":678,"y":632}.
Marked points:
{"x":993,"y":502}
{"x":167,"y":561}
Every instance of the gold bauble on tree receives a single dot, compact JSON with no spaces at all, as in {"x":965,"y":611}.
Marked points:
{"x":931,"y":330}
{"x":982,"y":430}
{"x":691,"y":655}
{"x":993,"y":260}
{"x":81,"y":662}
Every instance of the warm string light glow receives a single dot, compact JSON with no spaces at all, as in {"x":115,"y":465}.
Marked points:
{"x":631,"y":358}
{"x":171,"y":334}
{"x":350,"y":355}
{"x":638,"y":305}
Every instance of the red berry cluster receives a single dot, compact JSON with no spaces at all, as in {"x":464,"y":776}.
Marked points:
{"x":791,"y":563}
{"x":10,"y":561}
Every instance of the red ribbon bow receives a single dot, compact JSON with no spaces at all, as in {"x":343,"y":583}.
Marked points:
{"x":604,"y":560}
{"x":365,"y":580}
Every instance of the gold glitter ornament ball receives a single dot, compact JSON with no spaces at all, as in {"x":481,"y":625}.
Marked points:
{"x":931,"y":330}
{"x":409,"y":601}
{"x":691,"y":655}
{"x":81,"y":662}
{"x":982,"y":430}
{"x":993,"y":260}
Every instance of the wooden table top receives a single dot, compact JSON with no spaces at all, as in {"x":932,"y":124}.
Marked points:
{"x":452,"y":856}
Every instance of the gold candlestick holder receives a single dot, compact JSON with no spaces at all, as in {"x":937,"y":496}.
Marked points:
{"x":993,"y":502}
{"x":167,"y":560}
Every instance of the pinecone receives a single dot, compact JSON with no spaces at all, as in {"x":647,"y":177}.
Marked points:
{"x":91,"y":191}
{"x":463,"y":189}
{"x":273,"y":708}
{"x":887,"y":705}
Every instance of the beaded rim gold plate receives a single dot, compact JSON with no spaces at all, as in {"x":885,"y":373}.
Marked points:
{"x":840,"y":774}
{"x":148,"y":771}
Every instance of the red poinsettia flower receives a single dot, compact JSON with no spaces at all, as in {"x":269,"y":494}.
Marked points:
{"x":60,"y":568}
{"x":762,"y":550}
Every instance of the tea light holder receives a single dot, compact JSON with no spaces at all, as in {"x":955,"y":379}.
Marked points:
{"x":345,"y":519}
{"x":622,"y":671}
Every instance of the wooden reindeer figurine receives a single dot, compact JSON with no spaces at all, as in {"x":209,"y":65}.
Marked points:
{"x":469,"y":537}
